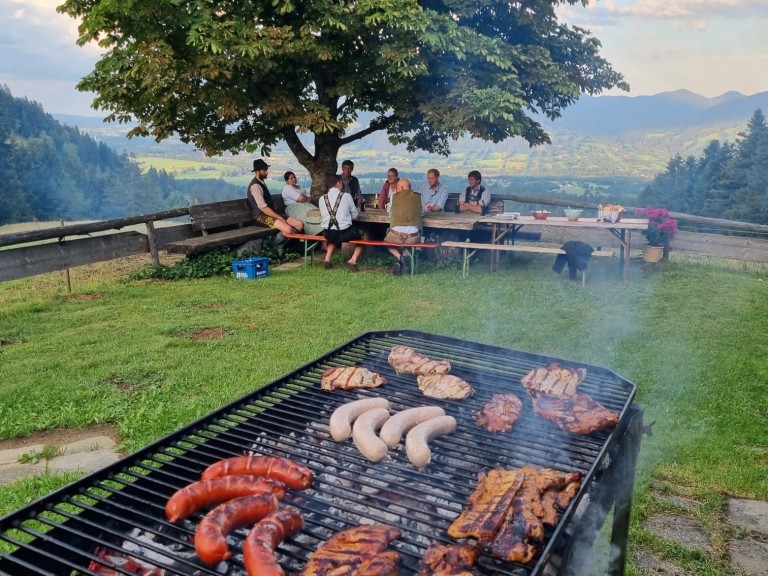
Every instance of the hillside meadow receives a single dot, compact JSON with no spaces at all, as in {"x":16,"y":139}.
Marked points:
{"x":692,"y":336}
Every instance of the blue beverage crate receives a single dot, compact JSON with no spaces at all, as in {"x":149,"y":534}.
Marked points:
{"x":250,"y":268}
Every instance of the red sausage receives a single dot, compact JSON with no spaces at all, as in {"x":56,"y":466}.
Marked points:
{"x":198,"y":495}
{"x":211,"y":535}
{"x":295,"y":475}
{"x":259,"y":546}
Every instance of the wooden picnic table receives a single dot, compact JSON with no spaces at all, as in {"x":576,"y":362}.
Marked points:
{"x":436,"y":220}
{"x":506,"y":227}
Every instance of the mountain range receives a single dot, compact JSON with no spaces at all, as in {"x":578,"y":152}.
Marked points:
{"x":628,"y":136}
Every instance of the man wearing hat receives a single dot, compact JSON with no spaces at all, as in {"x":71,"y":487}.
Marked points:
{"x":262,"y":207}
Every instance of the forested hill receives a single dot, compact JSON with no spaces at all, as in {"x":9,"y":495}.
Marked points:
{"x":49,"y":171}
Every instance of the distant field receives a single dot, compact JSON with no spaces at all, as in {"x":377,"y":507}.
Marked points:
{"x":189,"y":169}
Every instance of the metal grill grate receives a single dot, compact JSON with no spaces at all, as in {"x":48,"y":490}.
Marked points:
{"x":120,"y":509}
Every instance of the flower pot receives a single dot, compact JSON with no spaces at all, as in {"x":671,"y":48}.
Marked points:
{"x":652,"y":254}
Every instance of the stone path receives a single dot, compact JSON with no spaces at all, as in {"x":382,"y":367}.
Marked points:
{"x":745,"y":526}
{"x":86,"y":455}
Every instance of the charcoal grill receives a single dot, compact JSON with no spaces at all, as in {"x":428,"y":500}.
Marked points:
{"x":114,"y":519}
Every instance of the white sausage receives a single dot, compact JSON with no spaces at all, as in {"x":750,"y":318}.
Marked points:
{"x":364,"y":434}
{"x":340,"y":424}
{"x":394,"y":428}
{"x":416,"y":441}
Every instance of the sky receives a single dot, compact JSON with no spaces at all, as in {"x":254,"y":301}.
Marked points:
{"x":706,"y":46}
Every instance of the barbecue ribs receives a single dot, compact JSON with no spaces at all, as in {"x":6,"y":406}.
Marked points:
{"x":509,"y":508}
{"x":407,"y":361}
{"x":349,"y":377}
{"x":500,"y":413}
{"x":357,"y":551}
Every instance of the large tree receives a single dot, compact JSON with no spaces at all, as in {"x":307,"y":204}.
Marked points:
{"x":234,"y":75}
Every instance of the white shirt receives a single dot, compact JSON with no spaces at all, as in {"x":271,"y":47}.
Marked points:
{"x":291,"y":194}
{"x":345,"y":213}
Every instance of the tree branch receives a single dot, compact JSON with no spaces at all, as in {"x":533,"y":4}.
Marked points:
{"x":296,"y":146}
{"x":373,"y":127}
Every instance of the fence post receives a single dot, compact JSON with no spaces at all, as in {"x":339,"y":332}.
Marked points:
{"x":66,"y":270}
{"x":153,"y":242}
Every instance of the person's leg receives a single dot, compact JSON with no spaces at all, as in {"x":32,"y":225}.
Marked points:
{"x":355,"y":254}
{"x":394,"y":251}
{"x":328,"y":254}
{"x":282,"y":226}
{"x":296,"y":224}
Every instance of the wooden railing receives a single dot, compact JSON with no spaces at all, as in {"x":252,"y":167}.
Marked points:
{"x":74,"y":245}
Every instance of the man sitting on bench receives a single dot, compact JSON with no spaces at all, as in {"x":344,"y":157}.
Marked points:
{"x":404,"y":223}
{"x":337,"y":209}
{"x":262,"y":207}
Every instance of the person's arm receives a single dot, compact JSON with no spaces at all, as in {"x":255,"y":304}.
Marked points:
{"x":258,"y":195}
{"x":442,"y":197}
{"x":352,"y":208}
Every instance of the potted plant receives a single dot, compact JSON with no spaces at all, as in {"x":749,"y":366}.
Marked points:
{"x":661,"y":229}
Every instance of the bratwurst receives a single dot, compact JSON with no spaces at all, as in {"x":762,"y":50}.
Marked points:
{"x":292,"y":474}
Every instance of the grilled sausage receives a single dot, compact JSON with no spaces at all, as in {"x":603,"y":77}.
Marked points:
{"x":394,"y":428}
{"x":364,"y":434}
{"x":340,"y":424}
{"x":197,"y":495}
{"x":293,"y":474}
{"x":211,"y":535}
{"x":259,"y":546}
{"x":416,"y":446}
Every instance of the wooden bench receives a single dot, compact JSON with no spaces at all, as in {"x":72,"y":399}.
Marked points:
{"x":221,"y":224}
{"x":311,"y":242}
{"x":470,"y":248}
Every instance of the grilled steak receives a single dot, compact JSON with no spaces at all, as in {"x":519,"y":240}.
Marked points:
{"x":449,"y":560}
{"x":444,"y":386}
{"x":358,"y":551}
{"x":577,"y":414}
{"x":554,"y":380}
{"x":500,"y":413}
{"x":407,"y":361}
{"x":349,"y":377}
{"x":509,"y":508}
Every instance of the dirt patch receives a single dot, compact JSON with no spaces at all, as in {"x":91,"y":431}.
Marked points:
{"x":61,"y":436}
{"x":252,"y":325}
{"x":130,"y":385}
{"x":682,"y":530}
{"x":86,"y":297}
{"x":208,"y":333}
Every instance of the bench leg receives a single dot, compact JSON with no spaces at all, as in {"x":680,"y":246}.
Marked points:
{"x":412,"y":252}
{"x":309,"y":250}
{"x":465,"y":264}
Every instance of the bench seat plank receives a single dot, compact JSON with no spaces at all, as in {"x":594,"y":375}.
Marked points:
{"x":219,"y":240}
{"x":470,"y":248}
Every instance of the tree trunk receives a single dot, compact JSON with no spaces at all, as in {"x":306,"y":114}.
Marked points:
{"x":320,"y":166}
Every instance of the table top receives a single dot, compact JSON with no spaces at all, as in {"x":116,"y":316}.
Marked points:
{"x":624,"y":223}
{"x":445,"y":220}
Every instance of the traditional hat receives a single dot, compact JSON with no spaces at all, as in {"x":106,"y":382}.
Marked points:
{"x":259,"y":165}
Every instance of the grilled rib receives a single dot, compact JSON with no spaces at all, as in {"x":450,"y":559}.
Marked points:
{"x":406,"y":360}
{"x":356,"y":551}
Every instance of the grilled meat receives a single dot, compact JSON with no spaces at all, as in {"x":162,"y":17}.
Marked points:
{"x":554,"y":380}
{"x":357,"y":551}
{"x":577,"y":414}
{"x":488,"y":504}
{"x":349,"y":377}
{"x":500,"y":413}
{"x":509,"y":508}
{"x":449,"y":560}
{"x":407,"y":361}
{"x":444,"y":386}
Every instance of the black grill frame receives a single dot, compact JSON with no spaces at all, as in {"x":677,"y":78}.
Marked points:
{"x":102,"y":508}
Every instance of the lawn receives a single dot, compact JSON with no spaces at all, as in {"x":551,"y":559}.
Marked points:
{"x":693,"y":337}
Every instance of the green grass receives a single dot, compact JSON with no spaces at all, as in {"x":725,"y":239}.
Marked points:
{"x":692,"y":336}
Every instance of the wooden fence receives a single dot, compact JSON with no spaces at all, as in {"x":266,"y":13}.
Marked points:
{"x":51,"y":249}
